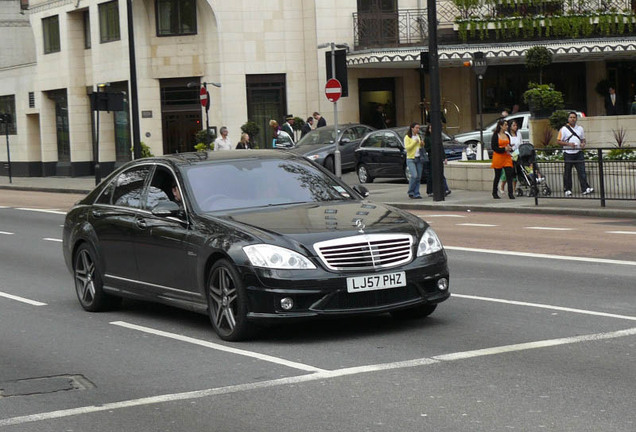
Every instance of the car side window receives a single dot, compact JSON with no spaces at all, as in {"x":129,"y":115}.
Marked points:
{"x":373,"y":141}
{"x":519,"y":121}
{"x":349,"y":134}
{"x":106,"y":196}
{"x":129,"y":187}
{"x":362,"y":131}
{"x":391,"y":141}
{"x":161,"y":189}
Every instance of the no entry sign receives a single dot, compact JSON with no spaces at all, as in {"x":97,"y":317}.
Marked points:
{"x":333,"y":90}
{"x":203,"y":95}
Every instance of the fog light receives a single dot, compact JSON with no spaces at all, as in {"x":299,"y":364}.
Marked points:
{"x":287,"y":303}
{"x":442,"y":284}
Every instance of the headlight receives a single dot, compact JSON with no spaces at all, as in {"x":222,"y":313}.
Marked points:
{"x":274,"y":257}
{"x":313,"y":157}
{"x":429,"y":243}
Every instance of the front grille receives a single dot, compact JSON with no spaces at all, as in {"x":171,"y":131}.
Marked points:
{"x":365,"y":252}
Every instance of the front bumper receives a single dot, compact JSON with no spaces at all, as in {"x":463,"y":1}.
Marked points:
{"x":323,"y":293}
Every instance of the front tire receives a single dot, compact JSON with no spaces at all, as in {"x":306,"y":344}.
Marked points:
{"x":227,"y":303}
{"x":363,"y":174}
{"x":420,"y":311}
{"x":89,"y":281}
{"x":330,"y":165}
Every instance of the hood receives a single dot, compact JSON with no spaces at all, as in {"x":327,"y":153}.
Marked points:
{"x":307,"y":149}
{"x":309,"y":223}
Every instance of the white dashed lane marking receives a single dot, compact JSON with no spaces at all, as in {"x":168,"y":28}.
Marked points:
{"x":621,"y":232}
{"x":53,"y":211}
{"x":21,"y":299}
{"x":478,"y":225}
{"x":6,"y":233}
{"x":52,"y":239}
{"x":549,"y":228}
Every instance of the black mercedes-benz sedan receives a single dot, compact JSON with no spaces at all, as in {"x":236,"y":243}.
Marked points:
{"x":249,"y":236}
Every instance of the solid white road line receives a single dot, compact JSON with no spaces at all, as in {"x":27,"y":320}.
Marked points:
{"x":6,"y":233}
{"x":547,"y":256}
{"x":477,"y":225}
{"x":153,"y":400}
{"x":549,"y":228}
{"x":52,"y":239}
{"x":621,"y":232}
{"x":442,"y":215}
{"x":54,"y":211}
{"x":21,"y":299}
{"x":218,"y":347}
{"x":545,"y":306}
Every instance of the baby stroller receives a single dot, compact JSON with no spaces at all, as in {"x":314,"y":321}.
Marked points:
{"x":529,"y":179}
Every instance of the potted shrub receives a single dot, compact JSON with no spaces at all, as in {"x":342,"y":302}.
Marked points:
{"x":542,"y":99}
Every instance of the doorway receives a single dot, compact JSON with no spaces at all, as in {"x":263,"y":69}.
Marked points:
{"x":266,"y":100}
{"x":180,"y":114}
{"x":373,"y":93}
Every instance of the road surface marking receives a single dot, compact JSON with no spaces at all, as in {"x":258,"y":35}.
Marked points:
{"x":549,"y":228}
{"x":54,"y":211}
{"x":52,"y":239}
{"x":21,"y":299}
{"x":6,"y":233}
{"x":477,"y":225}
{"x":547,"y":256}
{"x":545,"y":306}
{"x":621,"y":232}
{"x":442,"y":215}
{"x":317,"y":376}
{"x":218,"y":347}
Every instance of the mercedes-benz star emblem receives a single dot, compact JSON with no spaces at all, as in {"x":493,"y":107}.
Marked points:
{"x":360,"y":225}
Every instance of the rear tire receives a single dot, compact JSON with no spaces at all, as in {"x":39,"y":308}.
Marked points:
{"x":89,"y":281}
{"x":363,"y":174}
{"x":420,"y":311}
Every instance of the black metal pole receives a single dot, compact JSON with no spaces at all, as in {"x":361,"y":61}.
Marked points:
{"x":98,"y":176}
{"x":7,"y":119}
{"x":134,"y":99}
{"x":480,"y":78}
{"x":435,"y":98}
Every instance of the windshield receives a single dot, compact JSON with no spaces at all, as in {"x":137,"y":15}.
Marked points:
{"x":318,"y":136}
{"x":245,"y":183}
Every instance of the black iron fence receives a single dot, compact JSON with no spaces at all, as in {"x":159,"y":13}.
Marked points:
{"x":610,"y":172}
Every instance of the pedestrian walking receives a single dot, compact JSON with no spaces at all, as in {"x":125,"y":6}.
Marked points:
{"x":244,"y":143}
{"x":572,"y":138}
{"x":515,"y":142}
{"x":306,"y":127}
{"x":320,"y":120}
{"x":501,"y":158}
{"x":414,"y":148}
{"x":288,"y":126}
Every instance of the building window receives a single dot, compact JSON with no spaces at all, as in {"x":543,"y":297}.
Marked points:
{"x":7,"y":106}
{"x":51,"y":32}
{"x":87,"y":30}
{"x":176,"y":17}
{"x":109,"y":22}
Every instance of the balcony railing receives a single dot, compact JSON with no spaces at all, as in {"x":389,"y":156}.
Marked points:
{"x":489,"y":19}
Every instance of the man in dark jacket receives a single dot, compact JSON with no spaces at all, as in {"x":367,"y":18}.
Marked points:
{"x":320,"y":119}
{"x":307,"y":127}
{"x":288,"y":126}
{"x":613,"y":104}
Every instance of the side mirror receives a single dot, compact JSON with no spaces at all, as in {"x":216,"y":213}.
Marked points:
{"x":166,"y":208}
{"x":361,"y":190}
{"x":345,"y":140}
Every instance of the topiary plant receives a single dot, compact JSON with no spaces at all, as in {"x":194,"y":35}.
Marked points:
{"x":558,"y":119}
{"x":538,"y":57}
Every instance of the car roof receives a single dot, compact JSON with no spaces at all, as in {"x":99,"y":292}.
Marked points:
{"x":195,"y":158}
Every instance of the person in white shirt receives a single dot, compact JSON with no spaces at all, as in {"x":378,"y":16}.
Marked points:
{"x":572,"y":138}
{"x":222,"y":142}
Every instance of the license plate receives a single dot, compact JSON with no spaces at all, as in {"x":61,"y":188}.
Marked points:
{"x":376,"y":282}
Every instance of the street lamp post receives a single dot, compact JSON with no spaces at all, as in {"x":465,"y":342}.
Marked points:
{"x":6,"y":119}
{"x":336,"y":154}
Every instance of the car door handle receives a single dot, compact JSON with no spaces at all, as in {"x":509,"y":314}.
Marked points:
{"x":97,"y":213}
{"x":141,"y":223}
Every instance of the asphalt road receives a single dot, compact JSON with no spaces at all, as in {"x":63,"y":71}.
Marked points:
{"x":539,"y":338}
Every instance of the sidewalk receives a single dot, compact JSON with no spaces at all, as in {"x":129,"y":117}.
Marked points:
{"x":394,"y":193}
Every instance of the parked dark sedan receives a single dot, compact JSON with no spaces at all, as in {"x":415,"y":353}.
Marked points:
{"x":382,"y":154}
{"x":249,"y":236}
{"x":318,"y":145}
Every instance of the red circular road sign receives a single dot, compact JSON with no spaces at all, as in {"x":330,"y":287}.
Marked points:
{"x":203,"y":95}
{"x":333,"y":90}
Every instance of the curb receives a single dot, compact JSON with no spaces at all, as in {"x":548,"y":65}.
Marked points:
{"x":45,"y":189}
